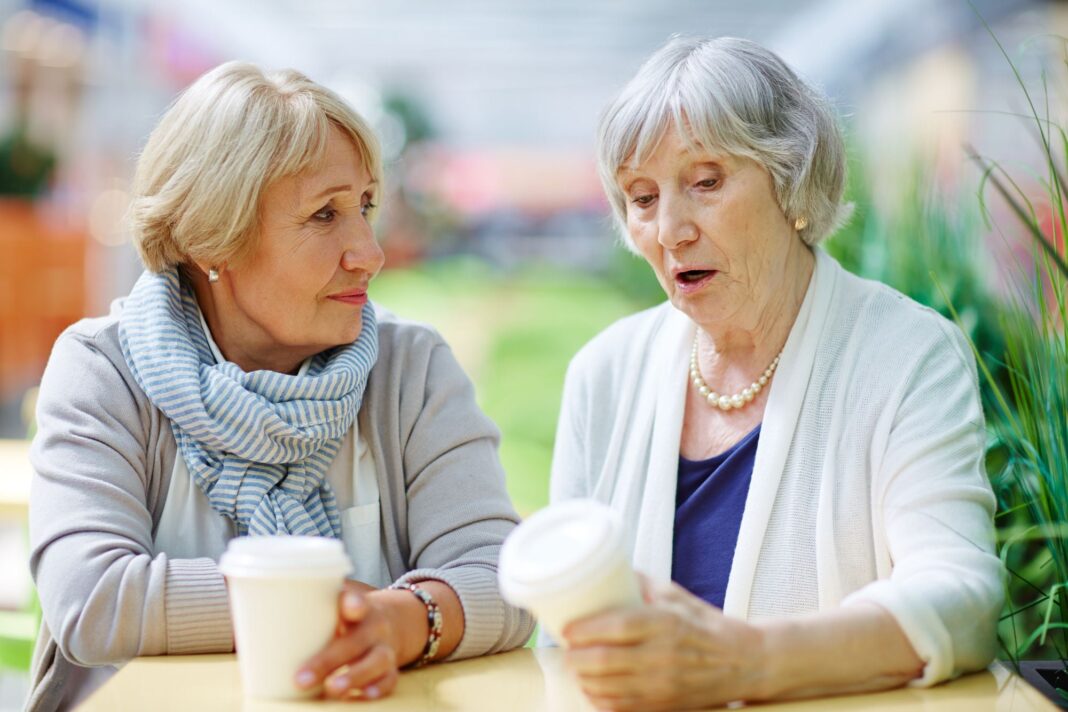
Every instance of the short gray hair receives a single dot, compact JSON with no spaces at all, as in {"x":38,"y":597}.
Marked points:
{"x":736,"y":96}
{"x":231,"y":134}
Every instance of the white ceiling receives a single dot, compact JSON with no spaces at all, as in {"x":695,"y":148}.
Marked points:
{"x":492,"y":70}
{"x":538,"y":72}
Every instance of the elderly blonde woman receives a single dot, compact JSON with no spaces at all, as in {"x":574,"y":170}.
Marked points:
{"x":798,"y":453}
{"x":246,"y":385}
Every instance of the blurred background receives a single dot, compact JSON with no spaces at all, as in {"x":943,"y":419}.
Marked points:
{"x":494,"y":225}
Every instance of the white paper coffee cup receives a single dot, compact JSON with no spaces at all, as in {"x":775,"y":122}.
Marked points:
{"x":283,"y":598}
{"x":566,"y":562}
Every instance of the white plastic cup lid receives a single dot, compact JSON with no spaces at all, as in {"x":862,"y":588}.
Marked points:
{"x":284,"y":556}
{"x":558,"y":548}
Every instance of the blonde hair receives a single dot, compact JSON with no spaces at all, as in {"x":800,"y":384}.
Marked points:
{"x":734,"y":95}
{"x":227,"y":137}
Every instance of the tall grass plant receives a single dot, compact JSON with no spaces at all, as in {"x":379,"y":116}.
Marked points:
{"x":1028,"y":458}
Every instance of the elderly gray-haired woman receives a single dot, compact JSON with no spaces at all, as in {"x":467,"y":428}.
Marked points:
{"x":798,"y":453}
{"x":246,"y":385}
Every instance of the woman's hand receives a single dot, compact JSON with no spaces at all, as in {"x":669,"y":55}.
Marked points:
{"x":379,"y":632}
{"x":366,"y":652}
{"x":676,"y":652}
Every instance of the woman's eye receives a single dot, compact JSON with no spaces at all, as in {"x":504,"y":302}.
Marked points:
{"x":643,"y":200}
{"x":325,"y":214}
{"x":708,"y":183}
{"x":367,"y":207}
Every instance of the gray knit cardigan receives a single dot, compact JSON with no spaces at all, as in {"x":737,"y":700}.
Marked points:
{"x":103,"y":458}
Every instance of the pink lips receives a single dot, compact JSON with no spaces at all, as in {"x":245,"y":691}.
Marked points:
{"x":356,"y":297}
{"x":689,"y":287}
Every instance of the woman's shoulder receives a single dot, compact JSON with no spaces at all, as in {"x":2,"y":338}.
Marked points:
{"x":892,"y":327}
{"x":412,"y":357}
{"x":88,"y":388}
{"x":399,"y":335}
{"x":91,"y":343}
{"x":87,"y":369}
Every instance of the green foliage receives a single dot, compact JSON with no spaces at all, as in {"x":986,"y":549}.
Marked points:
{"x":412,"y":115}
{"x":1028,"y":459}
{"x":1031,"y":446}
{"x":634,"y":278}
{"x":514,"y":333}
{"x":25,"y":166}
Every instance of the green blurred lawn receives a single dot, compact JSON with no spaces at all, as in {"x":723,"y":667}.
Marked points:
{"x":514,"y":333}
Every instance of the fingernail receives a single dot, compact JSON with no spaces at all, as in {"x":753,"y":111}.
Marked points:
{"x":339,"y":683}
{"x":371,"y":692}
{"x":305,"y":678}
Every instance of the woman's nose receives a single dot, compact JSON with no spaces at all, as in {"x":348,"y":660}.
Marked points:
{"x":675,"y":222}
{"x":361,"y":251}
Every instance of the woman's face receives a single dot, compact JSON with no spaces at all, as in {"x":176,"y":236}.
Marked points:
{"x":302,"y":288}
{"x":711,"y":228}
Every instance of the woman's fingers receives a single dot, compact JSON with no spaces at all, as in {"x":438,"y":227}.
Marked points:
{"x":664,"y":689}
{"x":619,"y":627}
{"x":360,"y":660}
{"x":619,"y":688}
{"x":627,"y":704}
{"x":370,"y":675}
{"x":606,"y":660}
{"x":339,"y":651}
{"x":382,"y":686}
{"x":353,"y":606}
{"x":352,"y":603}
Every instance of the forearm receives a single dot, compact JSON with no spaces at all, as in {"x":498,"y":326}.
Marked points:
{"x":856,"y":648}
{"x":106,"y":608}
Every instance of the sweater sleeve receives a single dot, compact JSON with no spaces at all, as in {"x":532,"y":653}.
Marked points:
{"x":459,"y":512}
{"x":945,"y":590}
{"x":106,"y":596}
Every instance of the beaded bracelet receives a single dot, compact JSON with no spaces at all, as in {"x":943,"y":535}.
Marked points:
{"x":433,"y":619}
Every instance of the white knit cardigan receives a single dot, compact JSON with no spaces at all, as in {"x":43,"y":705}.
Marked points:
{"x":868,"y":483}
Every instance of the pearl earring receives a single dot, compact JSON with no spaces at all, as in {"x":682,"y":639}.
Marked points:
{"x":801,"y":223}
{"x":213,"y":275}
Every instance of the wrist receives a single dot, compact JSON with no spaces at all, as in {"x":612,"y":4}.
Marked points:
{"x":771,"y":674}
{"x":408,"y":619}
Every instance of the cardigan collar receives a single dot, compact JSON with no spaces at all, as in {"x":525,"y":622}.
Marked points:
{"x":669,"y":362}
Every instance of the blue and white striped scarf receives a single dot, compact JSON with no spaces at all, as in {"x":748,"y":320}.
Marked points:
{"x":258,"y":444}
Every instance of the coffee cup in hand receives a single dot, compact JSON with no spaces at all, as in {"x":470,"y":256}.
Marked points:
{"x":566,"y":562}
{"x":283,"y":598}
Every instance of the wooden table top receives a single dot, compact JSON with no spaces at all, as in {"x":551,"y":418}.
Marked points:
{"x":519,"y":681}
{"x":15,"y":476}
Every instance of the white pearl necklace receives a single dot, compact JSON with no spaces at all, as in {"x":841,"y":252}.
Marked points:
{"x":724,"y":402}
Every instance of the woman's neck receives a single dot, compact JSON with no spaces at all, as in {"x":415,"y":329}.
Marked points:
{"x":724,"y":352}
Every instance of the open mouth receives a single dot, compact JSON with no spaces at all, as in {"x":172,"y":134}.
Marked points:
{"x":693,"y":276}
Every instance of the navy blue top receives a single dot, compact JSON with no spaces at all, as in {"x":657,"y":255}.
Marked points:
{"x":709,"y":502}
